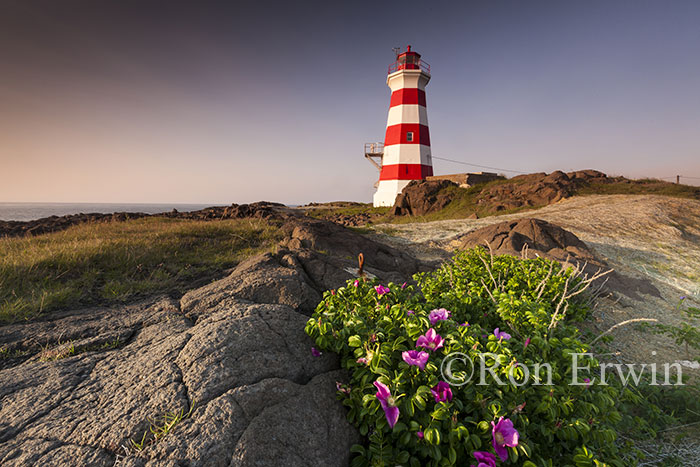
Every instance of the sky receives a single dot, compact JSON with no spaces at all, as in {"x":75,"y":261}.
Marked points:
{"x":234,"y":101}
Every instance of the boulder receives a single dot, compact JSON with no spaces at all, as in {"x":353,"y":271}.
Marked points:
{"x":536,"y":237}
{"x":245,"y":370}
{"x":422,"y":197}
{"x":528,"y":190}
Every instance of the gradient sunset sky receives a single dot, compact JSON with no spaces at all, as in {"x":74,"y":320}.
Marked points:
{"x":221,"y":102}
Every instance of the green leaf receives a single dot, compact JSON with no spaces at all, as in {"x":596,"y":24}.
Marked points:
{"x":452,"y":455}
{"x":440,"y":414}
{"x":358,"y":449}
{"x":419,"y":401}
{"x":432,"y":435}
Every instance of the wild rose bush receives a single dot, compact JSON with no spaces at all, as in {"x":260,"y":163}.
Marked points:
{"x":393,"y":339}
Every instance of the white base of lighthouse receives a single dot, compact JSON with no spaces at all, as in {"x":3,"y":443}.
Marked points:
{"x":387,"y":191}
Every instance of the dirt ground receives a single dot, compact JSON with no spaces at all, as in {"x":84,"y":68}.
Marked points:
{"x":654,"y":237}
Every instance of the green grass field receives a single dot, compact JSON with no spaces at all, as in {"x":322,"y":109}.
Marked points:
{"x":107,"y":263}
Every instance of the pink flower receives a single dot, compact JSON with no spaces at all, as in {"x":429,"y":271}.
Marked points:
{"x":381,"y":290}
{"x":485,"y":459}
{"x":430,"y":340}
{"x":501,"y":334}
{"x":388,"y":403}
{"x":438,"y":314}
{"x":527,"y":342}
{"x":442,"y":392}
{"x":587,"y":381}
{"x":415,"y":357}
{"x":403,"y":286}
{"x":315,"y":352}
{"x":362,"y":360}
{"x":410,"y":312}
{"x":419,"y":434}
{"x":356,"y":283}
{"x":504,"y":435}
{"x":342,"y":388}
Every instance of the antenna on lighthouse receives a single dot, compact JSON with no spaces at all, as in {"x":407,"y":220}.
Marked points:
{"x":396,"y":50}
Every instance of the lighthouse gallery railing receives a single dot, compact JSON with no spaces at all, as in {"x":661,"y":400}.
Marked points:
{"x":421,"y":65}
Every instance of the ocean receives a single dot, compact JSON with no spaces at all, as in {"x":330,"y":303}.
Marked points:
{"x":31,"y":211}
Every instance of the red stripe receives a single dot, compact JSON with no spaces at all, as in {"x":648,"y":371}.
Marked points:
{"x":398,"y":134}
{"x":407,"y":96}
{"x":405,"y":172}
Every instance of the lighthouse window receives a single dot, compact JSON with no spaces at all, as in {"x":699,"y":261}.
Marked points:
{"x":409,"y":136}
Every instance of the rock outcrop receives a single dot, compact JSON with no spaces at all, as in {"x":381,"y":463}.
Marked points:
{"x":259,"y":210}
{"x":539,"y":237}
{"x":82,"y":387}
{"x":536,"y":237}
{"x":531,"y":190}
{"x":421,"y":197}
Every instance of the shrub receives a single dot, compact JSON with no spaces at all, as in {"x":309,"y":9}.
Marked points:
{"x":490,"y":309}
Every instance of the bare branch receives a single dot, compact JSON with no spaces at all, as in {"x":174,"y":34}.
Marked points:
{"x":488,"y":291}
{"x":623,"y":323}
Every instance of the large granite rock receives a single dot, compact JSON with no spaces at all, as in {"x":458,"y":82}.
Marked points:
{"x":529,"y":190}
{"x":540,"y":237}
{"x":536,"y":237}
{"x":77,"y":387}
{"x":421,"y":197}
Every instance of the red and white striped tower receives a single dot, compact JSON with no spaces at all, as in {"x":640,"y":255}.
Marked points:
{"x":407,"y":140}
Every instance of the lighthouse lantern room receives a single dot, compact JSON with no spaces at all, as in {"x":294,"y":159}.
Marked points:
{"x":406,"y":149}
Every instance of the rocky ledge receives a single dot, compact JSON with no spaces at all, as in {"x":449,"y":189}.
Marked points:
{"x":230,"y":358}
{"x":260,"y":210}
{"x":530,"y":190}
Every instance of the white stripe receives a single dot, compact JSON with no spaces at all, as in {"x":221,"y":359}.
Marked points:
{"x":407,"y":154}
{"x":407,"y":113}
{"x":387,"y":191}
{"x":407,"y":79}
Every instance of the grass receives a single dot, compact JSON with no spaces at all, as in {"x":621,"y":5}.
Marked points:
{"x":108,"y":263}
{"x":68,"y":349}
{"x":644,"y":186}
{"x":61,"y":351}
{"x":326,"y":212}
{"x":7,"y":353}
{"x":161,"y":427}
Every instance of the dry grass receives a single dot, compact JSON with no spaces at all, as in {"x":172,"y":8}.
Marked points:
{"x":114,"y":262}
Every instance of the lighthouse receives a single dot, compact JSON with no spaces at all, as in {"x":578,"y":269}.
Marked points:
{"x":406,"y":151}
